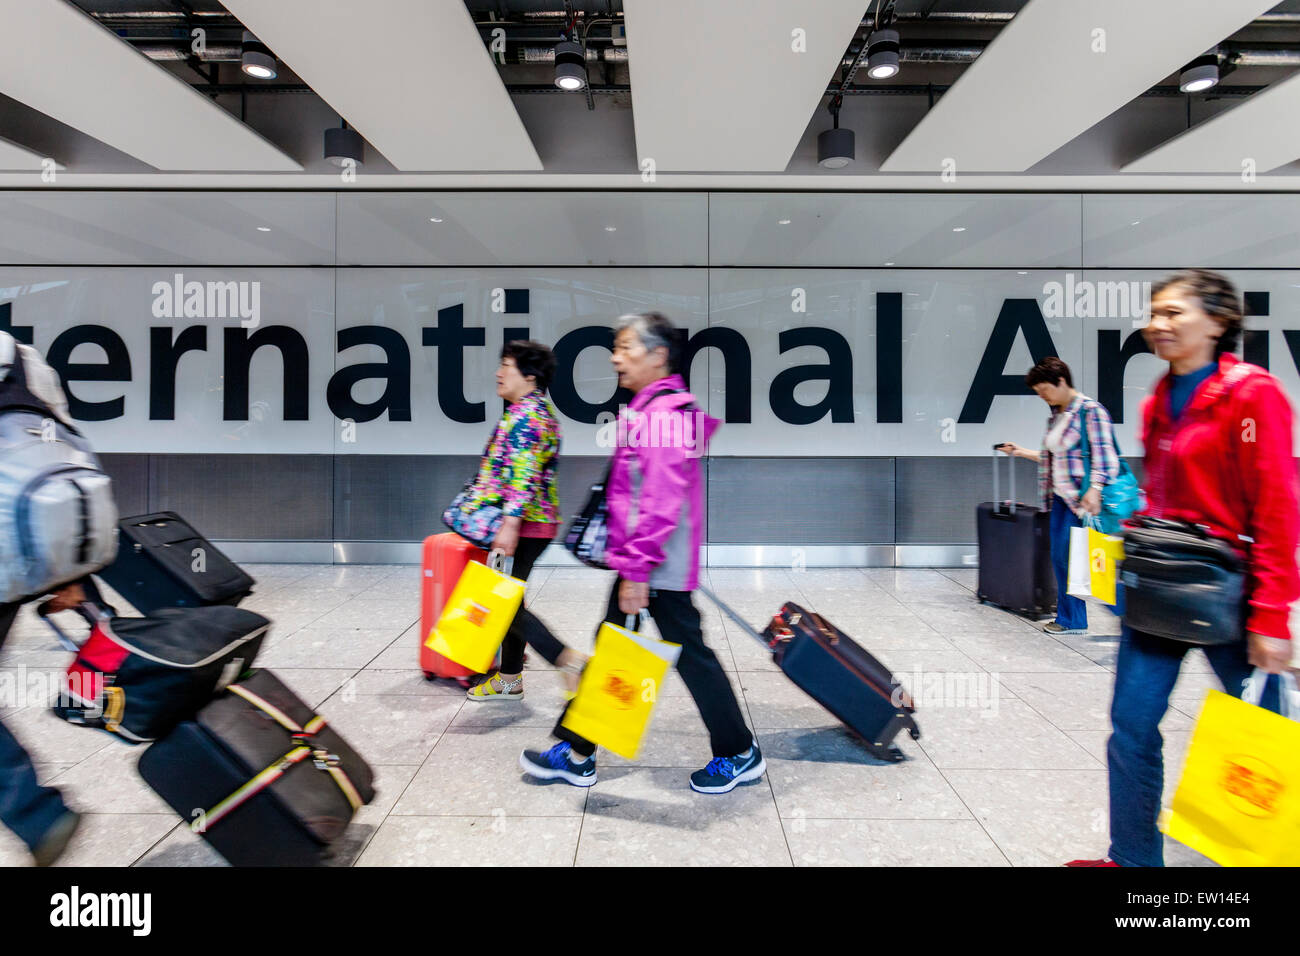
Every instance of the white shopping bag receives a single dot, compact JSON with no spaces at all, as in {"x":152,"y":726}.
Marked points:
{"x":1079,"y":580}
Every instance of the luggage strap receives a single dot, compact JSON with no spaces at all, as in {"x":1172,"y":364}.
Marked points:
{"x":324,"y":761}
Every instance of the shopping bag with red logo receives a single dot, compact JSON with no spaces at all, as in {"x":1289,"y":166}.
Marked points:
{"x":1238,"y":801}
{"x":619,"y":686}
{"x":478,"y":614}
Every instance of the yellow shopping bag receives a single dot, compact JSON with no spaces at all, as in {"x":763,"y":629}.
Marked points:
{"x":477,"y":616}
{"x":618,"y":688}
{"x":1105,"y":551}
{"x":1239,"y":798}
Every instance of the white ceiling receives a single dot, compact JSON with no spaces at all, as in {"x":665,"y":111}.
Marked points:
{"x":1041,"y":81}
{"x":59,"y":61}
{"x":1264,"y":129}
{"x":719,"y":87}
{"x":718,"y":98}
{"x":13,"y":156}
{"x":412,"y":76}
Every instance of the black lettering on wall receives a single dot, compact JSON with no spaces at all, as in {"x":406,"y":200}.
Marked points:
{"x":737,"y":364}
{"x":239,"y":347}
{"x":1292,"y":337}
{"x":1017,"y":315}
{"x":516,"y":301}
{"x":1112,"y":360}
{"x":838,"y":374}
{"x":889,"y":356}
{"x":116,"y":368}
{"x":564,"y":392}
{"x":1254,"y":347}
{"x":451,"y":337}
{"x":21,"y":333}
{"x":395,"y":370}
{"x":164,"y":356}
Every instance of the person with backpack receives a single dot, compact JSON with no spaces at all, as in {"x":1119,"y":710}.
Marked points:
{"x":1076,"y":462}
{"x":1220,"y":476}
{"x":36,"y":814}
{"x":655,"y":498}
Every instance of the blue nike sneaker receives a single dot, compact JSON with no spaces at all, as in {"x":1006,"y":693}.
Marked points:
{"x":724,"y":773}
{"x":557,"y":764}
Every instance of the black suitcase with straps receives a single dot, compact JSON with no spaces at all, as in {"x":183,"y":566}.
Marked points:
{"x":163,"y":562}
{"x":839,"y":674}
{"x":1015,"y":552}
{"x":260,"y":776}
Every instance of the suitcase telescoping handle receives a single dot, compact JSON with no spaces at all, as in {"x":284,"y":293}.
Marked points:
{"x":997,"y":504}
{"x":722,"y":606}
{"x":87,"y":609}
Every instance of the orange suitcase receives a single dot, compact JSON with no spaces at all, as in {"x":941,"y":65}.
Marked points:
{"x":445,"y":557}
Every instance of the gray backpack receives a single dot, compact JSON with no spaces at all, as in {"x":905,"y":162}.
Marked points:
{"x":58,"y":521}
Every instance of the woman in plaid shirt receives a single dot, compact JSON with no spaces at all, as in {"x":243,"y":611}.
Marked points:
{"x":1061,"y":478}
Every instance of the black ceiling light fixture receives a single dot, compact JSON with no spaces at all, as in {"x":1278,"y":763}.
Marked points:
{"x":342,"y":143}
{"x":1199,"y":75}
{"x":835,"y":145}
{"x":570,"y":65}
{"x":255,"y":59}
{"x":882,"y":54}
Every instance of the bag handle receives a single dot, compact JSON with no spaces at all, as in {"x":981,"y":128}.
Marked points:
{"x":640,"y":618}
{"x":498,"y":562}
{"x":1252,"y":691}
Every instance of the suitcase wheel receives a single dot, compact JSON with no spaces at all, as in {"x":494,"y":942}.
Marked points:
{"x":428,"y":675}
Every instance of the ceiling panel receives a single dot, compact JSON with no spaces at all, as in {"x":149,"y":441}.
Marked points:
{"x":1262,"y":129}
{"x":59,"y":61}
{"x":15,"y":157}
{"x":1042,"y":81}
{"x":411,"y":76}
{"x":720,"y":87}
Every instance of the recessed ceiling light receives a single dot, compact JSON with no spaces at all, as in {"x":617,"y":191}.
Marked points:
{"x":611,"y":228}
{"x":434,"y":219}
{"x":889,"y":263}
{"x":1136,"y":222}
{"x":958,"y":228}
{"x":783,"y":222}
{"x":263,"y":228}
{"x":1022,"y":273}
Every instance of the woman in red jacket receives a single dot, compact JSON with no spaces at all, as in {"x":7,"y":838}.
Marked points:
{"x":1217,"y":436}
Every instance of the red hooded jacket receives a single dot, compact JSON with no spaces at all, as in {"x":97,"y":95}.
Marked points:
{"x":1227,"y":463}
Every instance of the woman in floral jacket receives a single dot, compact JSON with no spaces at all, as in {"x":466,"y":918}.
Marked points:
{"x":518,"y":473}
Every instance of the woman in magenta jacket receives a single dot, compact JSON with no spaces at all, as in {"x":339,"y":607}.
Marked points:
{"x":656,"y":520}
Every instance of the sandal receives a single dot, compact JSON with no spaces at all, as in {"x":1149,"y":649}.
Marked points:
{"x":510,"y":690}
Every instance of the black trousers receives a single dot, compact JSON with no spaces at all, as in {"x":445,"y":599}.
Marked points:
{"x":526,"y":628}
{"x":679,"y":621}
{"x":26,"y":808}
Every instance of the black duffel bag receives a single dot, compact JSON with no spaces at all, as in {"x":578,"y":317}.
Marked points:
{"x":1182,"y":584}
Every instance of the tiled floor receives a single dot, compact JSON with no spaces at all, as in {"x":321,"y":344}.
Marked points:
{"x":1010,"y":769}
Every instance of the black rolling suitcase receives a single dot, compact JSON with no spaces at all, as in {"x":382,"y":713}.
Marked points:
{"x":1015,"y":553}
{"x":837,"y":673}
{"x":260,"y":776}
{"x":163,"y":562}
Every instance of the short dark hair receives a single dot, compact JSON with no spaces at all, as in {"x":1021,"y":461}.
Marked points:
{"x":1049,"y":372}
{"x":531,"y":358}
{"x":654,"y":330}
{"x":1218,"y":297}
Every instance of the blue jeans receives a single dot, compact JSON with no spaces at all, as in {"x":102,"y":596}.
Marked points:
{"x":1144,"y":677}
{"x":26,"y":808}
{"x":1071,"y":612}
